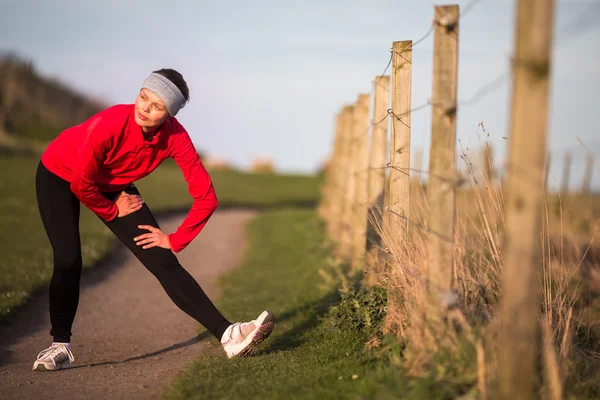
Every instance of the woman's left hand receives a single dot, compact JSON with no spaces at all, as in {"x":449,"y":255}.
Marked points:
{"x":155,"y":238}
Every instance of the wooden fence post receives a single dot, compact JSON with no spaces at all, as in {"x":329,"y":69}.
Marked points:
{"x":345,"y":247}
{"x":395,"y":224}
{"x":379,"y":147}
{"x":586,"y":187}
{"x":361,"y":179}
{"x":400,"y":143}
{"x":518,"y":335}
{"x":327,"y":205}
{"x":442,"y":179}
{"x":341,"y":173}
{"x":377,"y":174}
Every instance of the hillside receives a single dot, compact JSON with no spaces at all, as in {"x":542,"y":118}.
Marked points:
{"x":36,"y":108}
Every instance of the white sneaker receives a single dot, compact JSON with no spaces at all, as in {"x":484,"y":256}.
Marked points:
{"x":235,"y":342}
{"x":58,"y":356}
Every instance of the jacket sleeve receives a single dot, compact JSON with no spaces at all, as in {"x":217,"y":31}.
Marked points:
{"x":200,"y":187}
{"x":86,"y":165}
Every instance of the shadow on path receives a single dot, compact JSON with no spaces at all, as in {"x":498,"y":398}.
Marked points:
{"x":175,"y":346}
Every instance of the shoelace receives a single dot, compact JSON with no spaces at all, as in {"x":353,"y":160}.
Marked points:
{"x":237,"y":325}
{"x":54,"y":350}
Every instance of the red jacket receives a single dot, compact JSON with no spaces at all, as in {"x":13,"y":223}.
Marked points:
{"x":107,"y":153}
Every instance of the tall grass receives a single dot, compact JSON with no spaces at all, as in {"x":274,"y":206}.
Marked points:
{"x":458,"y":346}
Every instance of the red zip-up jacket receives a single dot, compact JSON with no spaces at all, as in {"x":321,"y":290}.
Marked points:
{"x":108,"y":152}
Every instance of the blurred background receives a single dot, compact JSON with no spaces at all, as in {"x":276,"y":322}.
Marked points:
{"x":267,"y":77}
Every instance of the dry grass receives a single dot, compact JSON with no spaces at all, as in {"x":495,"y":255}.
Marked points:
{"x":460,"y":342}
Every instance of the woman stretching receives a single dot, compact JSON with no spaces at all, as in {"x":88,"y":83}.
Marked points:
{"x":96,"y":163}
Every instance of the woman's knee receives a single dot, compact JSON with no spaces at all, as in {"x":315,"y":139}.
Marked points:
{"x":68,"y":261}
{"x":160,"y":262}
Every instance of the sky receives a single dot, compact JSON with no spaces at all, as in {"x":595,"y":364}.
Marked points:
{"x":267,"y":77}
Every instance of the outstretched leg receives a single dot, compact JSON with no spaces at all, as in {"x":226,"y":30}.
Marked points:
{"x":181,"y":287}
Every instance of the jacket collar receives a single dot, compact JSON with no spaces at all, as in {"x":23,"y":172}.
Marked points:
{"x":136,"y":130}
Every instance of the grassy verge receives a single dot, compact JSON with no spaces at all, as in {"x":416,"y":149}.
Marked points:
{"x":26,"y":262}
{"x":326,"y":343}
{"x":307,"y":356}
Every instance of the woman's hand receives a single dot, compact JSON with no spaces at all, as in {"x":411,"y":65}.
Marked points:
{"x":128,"y":204}
{"x":155,"y":238}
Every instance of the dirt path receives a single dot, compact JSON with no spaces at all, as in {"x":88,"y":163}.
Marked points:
{"x":129,"y":339}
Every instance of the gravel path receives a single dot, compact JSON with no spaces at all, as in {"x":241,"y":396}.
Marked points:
{"x":129,"y":339}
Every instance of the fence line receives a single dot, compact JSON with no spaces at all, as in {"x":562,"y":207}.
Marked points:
{"x":529,"y":166}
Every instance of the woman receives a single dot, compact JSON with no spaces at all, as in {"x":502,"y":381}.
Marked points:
{"x":96,"y":163}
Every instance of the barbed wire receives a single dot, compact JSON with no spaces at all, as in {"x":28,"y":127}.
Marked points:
{"x":429,"y":32}
{"x":496,"y":83}
{"x":389,"y":63}
{"x":377,"y":78}
{"x":382,"y":119}
{"x":468,"y":7}
{"x":504,"y":75}
{"x":420,"y":226}
{"x":403,"y":217}
{"x":457,"y":180}
{"x":409,"y":48}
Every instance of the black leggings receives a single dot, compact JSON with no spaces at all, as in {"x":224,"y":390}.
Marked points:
{"x":59,"y":209}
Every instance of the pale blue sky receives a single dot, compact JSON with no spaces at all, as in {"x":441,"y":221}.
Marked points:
{"x":267,"y":77}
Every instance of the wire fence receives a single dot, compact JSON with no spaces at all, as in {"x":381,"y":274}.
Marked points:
{"x":580,"y":155}
{"x":476,"y":160}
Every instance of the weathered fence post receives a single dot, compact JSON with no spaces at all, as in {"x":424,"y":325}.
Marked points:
{"x":377,"y":173}
{"x":518,"y":336}
{"x":326,"y":209}
{"x":345,"y":247}
{"x":396,"y":222}
{"x":361,"y":135}
{"x":341,"y":173}
{"x":379,"y":147}
{"x":586,"y":186}
{"x":442,"y":179}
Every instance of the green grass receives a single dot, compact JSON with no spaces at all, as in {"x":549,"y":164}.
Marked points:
{"x":318,"y":348}
{"x":234,"y":189}
{"x":26,"y":262}
{"x":305,"y":357}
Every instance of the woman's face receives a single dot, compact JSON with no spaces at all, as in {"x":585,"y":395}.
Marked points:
{"x":150,"y":111}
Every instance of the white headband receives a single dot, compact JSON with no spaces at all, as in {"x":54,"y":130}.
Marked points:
{"x":168,"y":92}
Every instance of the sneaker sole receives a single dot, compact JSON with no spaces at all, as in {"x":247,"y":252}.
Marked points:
{"x":42,"y":367}
{"x":261,"y":334}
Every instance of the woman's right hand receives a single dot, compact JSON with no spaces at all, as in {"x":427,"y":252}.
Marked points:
{"x":128,"y":204}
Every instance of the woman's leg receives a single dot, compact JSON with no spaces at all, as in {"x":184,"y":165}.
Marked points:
{"x":163,"y":264}
{"x":59,"y":209}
